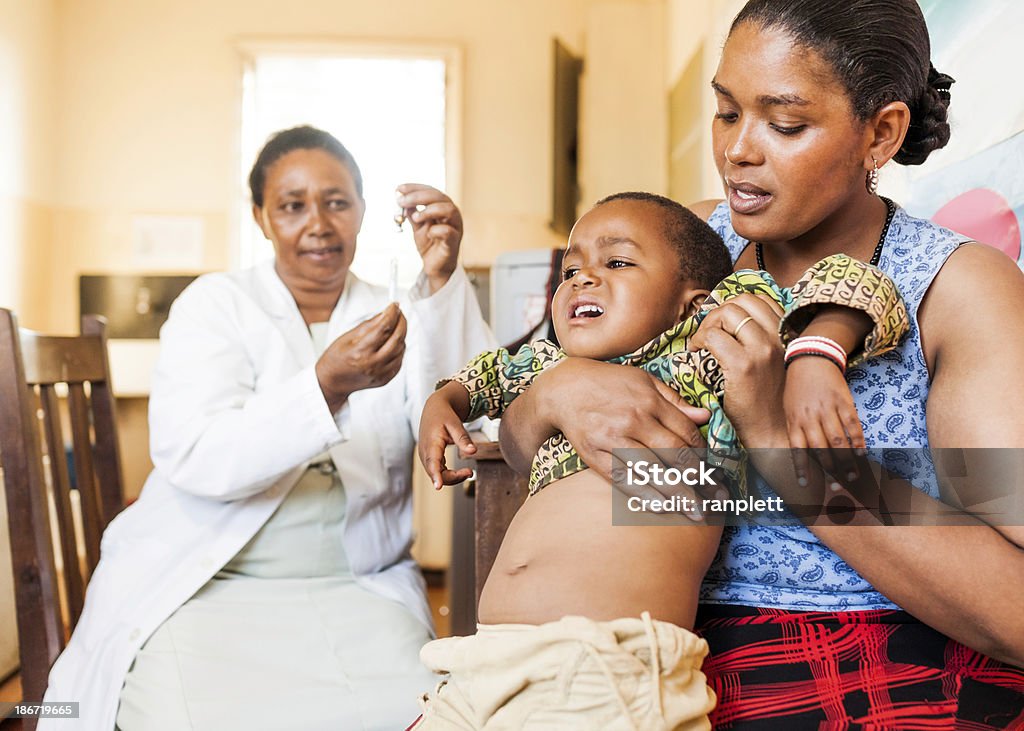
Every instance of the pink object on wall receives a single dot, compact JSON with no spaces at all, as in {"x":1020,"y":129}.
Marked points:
{"x":983,"y":215}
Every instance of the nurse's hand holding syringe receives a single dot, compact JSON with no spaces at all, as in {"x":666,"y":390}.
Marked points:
{"x":437,"y":229}
{"x":370,"y":354}
{"x":367,"y":356}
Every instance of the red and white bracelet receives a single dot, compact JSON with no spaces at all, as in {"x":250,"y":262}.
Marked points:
{"x":818,"y":346}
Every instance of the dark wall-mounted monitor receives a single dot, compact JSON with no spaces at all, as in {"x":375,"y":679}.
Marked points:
{"x":135,"y":306}
{"x":565,"y":192}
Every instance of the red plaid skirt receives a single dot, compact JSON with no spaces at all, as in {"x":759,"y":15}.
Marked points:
{"x":877,"y":669}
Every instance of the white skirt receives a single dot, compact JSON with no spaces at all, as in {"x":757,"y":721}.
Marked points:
{"x":265,"y":646}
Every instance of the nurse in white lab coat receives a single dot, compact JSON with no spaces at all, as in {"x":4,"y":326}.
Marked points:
{"x":263,"y":578}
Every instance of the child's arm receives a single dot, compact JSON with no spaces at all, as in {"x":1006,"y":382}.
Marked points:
{"x":820,"y":413}
{"x":484,"y":387}
{"x":856,"y":306}
{"x":441,"y":425}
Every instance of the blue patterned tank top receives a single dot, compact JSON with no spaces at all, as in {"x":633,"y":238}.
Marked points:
{"x":788,"y":567}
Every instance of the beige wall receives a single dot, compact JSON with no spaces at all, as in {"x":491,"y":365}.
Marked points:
{"x":150,"y":113}
{"x":689,"y":23}
{"x":623,"y":112}
{"x":27,"y":123}
{"x":116,"y":108}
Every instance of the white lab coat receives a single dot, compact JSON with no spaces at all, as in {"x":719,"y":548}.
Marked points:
{"x":236,"y":415}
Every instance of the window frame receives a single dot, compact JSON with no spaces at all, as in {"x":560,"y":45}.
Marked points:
{"x":249,"y":50}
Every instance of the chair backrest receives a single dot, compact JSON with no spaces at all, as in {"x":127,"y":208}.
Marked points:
{"x":499,"y":493}
{"x":35,"y":419}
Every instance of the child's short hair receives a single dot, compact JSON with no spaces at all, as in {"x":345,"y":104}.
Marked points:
{"x":703,"y":257}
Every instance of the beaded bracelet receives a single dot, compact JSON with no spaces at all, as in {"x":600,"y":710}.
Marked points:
{"x":818,"y":346}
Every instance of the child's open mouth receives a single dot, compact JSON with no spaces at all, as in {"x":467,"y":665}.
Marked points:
{"x":585,"y":310}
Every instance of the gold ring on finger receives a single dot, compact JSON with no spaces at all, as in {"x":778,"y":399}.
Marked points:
{"x":743,"y":322}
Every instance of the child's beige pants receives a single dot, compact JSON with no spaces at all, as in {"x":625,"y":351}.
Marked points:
{"x":635,"y":674}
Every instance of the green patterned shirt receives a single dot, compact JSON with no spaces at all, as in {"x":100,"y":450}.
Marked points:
{"x":495,"y":378}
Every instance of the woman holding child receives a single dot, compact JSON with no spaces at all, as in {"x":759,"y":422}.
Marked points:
{"x":890,"y":627}
{"x":568,"y":642}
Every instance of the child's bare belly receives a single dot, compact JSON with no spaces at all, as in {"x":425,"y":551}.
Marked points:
{"x":562,"y":556}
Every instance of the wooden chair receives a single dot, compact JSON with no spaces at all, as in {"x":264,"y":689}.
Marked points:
{"x":33,"y":368}
{"x":499,"y":493}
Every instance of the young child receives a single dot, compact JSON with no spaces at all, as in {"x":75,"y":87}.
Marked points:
{"x":584,"y":624}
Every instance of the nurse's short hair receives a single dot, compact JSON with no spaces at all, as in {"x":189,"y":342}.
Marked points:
{"x":304,"y":137}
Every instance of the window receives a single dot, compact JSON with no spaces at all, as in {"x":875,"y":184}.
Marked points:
{"x":393,"y":107}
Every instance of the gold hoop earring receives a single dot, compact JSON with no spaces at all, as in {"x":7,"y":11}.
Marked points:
{"x":871,"y":181}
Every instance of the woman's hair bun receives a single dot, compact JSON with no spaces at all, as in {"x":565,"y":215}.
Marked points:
{"x":929,"y":126}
